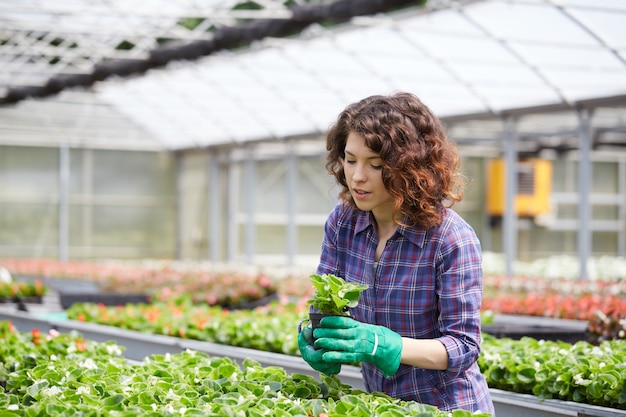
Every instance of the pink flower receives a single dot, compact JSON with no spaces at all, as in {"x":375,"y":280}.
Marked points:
{"x":52,"y":333}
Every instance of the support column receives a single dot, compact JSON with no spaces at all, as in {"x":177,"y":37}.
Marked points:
{"x":621,"y":213}
{"x":584,"y":191}
{"x":509,"y":224}
{"x":180,"y":235}
{"x":64,"y":194}
{"x":232,"y":221}
{"x":213,"y":232}
{"x":250,"y":187}
{"x":292,"y":193}
{"x":87,"y":208}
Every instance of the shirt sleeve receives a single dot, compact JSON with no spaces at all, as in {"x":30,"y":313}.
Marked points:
{"x":459,"y":290}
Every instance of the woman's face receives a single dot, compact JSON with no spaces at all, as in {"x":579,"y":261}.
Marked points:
{"x":363,"y":169}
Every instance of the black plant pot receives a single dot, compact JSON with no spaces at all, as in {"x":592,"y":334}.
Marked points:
{"x":251,"y":305}
{"x":315,"y":318}
{"x":537,"y":332}
{"x":67,"y":299}
{"x":31,"y":300}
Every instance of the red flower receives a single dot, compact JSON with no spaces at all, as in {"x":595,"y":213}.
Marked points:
{"x":36,"y":335}
{"x":81,"y":345}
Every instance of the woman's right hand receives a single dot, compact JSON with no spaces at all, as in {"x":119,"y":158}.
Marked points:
{"x":314,"y":356}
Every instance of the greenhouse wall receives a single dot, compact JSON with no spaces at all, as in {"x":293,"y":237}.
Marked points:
{"x":121,"y":204}
{"x":263,"y":203}
{"x":555,"y":232}
{"x":270,"y":213}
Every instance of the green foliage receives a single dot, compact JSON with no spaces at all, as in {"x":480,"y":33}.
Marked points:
{"x":333,"y":295}
{"x":579,"y":372}
{"x":9,"y":290}
{"x":269,"y":328}
{"x":98,"y":382}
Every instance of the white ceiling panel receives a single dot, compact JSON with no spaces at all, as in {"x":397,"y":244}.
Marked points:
{"x":461,"y":57}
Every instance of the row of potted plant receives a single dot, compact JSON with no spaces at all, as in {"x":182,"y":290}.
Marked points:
{"x":561,"y":267}
{"x":138,"y":317}
{"x":268,"y":328}
{"x":547,"y":295}
{"x":65,"y":375}
{"x":593,"y":374}
{"x":161,"y":280}
{"x":584,"y":307}
{"x":514,"y":365}
{"x":570,"y":307}
{"x":26,"y":291}
{"x":555,"y":273}
{"x":579,"y":372}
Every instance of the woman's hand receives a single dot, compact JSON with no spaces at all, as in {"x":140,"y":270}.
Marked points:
{"x":345,"y":340}
{"x":312,"y":355}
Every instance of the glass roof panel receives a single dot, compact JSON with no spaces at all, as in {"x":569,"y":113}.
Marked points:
{"x":607,"y":25}
{"x":543,"y":23}
{"x":551,"y":56}
{"x":601,"y":4}
{"x":466,"y":49}
{"x":461,"y":58}
{"x":451,"y":22}
{"x":582,"y":83}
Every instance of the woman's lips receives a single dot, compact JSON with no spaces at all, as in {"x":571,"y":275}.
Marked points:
{"x":360,"y":194}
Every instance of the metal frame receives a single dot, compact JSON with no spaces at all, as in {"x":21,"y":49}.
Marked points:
{"x":187,"y":105}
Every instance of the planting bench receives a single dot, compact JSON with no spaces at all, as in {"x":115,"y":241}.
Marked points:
{"x":139,"y":345}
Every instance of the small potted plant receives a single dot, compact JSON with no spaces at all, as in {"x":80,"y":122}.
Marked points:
{"x":332,"y":295}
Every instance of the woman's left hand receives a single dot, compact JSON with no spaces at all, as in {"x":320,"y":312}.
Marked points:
{"x":346,"y":341}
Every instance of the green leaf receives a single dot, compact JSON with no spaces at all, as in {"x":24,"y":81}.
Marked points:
{"x":461,"y":413}
{"x":595,"y":390}
{"x":390,"y":410}
{"x":34,"y":389}
{"x":302,"y":392}
{"x":55,"y":409}
{"x":146,"y":398}
{"x":113,"y":400}
{"x":610,"y":378}
{"x":333,"y":294}
{"x":526,"y":375}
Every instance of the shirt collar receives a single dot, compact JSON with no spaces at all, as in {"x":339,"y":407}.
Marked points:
{"x":365,"y":219}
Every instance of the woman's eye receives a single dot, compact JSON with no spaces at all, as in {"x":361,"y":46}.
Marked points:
{"x":377,"y":167}
{"x":348,"y":161}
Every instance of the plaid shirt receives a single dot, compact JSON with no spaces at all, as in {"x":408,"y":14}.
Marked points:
{"x":427,"y":285}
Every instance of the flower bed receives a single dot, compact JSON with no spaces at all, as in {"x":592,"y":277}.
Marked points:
{"x":269,"y":328}
{"x":578,"y":372}
{"x":22,"y":290}
{"x":205,"y":283}
{"x":566,"y":299}
{"x":547,"y":287}
{"x":65,"y":375}
{"x":599,"y":300}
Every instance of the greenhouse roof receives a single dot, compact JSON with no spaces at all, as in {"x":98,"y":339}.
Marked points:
{"x":465,"y":59}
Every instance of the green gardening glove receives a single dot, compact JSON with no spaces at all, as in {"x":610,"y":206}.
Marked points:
{"x":345,"y":340}
{"x":312,"y":355}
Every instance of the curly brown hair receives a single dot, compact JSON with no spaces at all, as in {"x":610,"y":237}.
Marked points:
{"x":420,"y":164}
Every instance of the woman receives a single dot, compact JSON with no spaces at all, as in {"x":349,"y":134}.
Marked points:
{"x":416,"y":330}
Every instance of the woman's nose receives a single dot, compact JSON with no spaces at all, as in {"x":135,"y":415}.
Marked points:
{"x":359,"y":173}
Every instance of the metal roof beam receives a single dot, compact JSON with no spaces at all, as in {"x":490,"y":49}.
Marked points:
{"x":224,"y":37}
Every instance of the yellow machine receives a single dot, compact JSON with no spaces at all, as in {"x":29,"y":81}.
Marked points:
{"x":534,"y":185}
